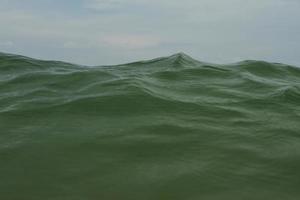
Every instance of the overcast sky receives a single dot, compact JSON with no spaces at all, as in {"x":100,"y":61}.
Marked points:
{"x":96,"y":32}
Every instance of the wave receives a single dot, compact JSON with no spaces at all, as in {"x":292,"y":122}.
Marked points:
{"x":175,"y":78}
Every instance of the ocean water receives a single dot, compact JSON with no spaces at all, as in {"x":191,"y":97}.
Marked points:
{"x":171,"y":128}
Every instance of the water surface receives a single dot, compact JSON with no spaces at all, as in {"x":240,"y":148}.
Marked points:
{"x":171,"y":128}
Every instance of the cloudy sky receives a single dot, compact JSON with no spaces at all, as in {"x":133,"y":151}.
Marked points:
{"x":95,"y":32}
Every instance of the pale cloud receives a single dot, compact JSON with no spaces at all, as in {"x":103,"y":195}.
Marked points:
{"x":71,"y":45}
{"x":103,"y":4}
{"x":130,"y":41}
{"x":203,"y":5}
{"x":127,"y":42}
{"x":67,"y":35}
{"x":6,"y":43}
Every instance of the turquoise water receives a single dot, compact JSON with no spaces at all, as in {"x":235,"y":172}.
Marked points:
{"x":171,"y":128}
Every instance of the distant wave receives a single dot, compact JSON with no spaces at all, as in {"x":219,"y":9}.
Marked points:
{"x":25,"y":82}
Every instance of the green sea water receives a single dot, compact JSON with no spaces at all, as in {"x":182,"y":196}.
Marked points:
{"x":171,"y":128}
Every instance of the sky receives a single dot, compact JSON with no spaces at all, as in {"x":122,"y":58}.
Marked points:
{"x":101,"y":32}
